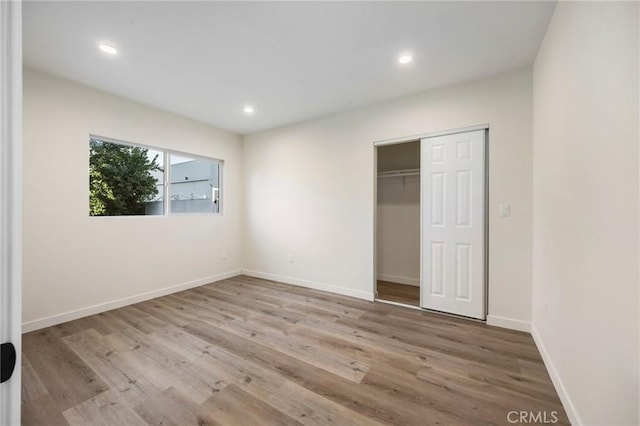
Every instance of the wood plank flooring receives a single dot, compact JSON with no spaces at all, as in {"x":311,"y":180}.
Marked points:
{"x":246,"y":351}
{"x":400,"y":293}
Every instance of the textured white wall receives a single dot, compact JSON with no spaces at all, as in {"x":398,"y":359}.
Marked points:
{"x":308,"y":189}
{"x":585,"y":286}
{"x":73,"y":261}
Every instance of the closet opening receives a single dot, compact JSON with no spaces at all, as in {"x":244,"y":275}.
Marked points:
{"x":398,"y":223}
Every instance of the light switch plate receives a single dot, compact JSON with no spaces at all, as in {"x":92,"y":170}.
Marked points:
{"x":505,"y":210}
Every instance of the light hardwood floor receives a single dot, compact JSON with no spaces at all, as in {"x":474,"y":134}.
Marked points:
{"x":401,"y":293}
{"x":246,"y":351}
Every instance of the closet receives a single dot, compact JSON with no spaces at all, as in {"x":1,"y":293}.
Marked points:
{"x":431,"y":222}
{"x":398,"y":223}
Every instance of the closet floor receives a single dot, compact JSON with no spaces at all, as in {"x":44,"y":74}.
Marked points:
{"x":400,"y":293}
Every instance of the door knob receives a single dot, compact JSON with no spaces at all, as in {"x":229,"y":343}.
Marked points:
{"x":7,"y":361}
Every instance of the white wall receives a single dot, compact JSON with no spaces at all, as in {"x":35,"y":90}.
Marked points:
{"x":73,"y":261}
{"x":586,"y":209}
{"x":308,"y":190}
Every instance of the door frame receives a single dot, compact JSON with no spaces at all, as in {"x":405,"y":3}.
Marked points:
{"x":11,"y":201}
{"x":414,"y":138}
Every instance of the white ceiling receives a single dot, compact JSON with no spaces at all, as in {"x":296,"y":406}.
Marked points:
{"x":291,"y":60}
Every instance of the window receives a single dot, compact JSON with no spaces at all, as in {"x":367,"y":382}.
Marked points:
{"x":195,"y":185}
{"x":126,"y":179}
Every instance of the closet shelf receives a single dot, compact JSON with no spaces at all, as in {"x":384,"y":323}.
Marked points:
{"x":399,"y":173}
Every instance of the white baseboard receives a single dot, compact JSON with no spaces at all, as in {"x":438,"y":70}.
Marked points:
{"x":510,"y":323}
{"x":312,"y":284}
{"x":572,"y":413}
{"x":399,"y":279}
{"x":107,"y":306}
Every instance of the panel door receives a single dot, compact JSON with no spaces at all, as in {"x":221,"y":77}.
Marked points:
{"x":453,"y":223}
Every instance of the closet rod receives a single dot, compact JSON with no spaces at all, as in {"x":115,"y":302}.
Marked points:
{"x":399,"y":173}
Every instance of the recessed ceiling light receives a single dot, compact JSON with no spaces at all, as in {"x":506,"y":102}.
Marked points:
{"x":248,"y":109}
{"x":108,"y":49}
{"x":405,"y":58}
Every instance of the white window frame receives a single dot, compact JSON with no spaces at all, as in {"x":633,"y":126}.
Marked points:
{"x":166,"y":186}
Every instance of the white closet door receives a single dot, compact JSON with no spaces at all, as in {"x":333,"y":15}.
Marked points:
{"x":453,"y":224}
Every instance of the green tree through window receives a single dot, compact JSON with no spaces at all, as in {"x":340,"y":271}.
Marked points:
{"x":120,"y":179}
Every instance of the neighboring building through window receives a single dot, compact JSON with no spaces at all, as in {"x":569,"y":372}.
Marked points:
{"x":127,"y":179}
{"x":195,"y":185}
